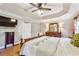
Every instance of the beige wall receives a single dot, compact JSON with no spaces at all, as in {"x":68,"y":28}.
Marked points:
{"x":66,"y":29}
{"x":10,"y":29}
{"x":2,"y":34}
{"x":35,"y":29}
{"x":38,"y":28}
{"x":43,"y":27}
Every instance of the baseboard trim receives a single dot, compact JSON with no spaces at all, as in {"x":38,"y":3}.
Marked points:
{"x":2,"y":47}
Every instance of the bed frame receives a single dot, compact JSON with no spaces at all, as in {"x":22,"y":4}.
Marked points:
{"x":28,"y":39}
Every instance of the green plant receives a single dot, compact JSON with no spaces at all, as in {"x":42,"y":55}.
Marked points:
{"x":75,"y":40}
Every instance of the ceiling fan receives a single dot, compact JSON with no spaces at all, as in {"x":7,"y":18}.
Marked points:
{"x":40,"y":6}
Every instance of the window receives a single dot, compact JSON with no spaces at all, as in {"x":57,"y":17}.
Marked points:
{"x":77,"y":27}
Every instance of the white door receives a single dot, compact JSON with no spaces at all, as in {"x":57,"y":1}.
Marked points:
{"x":26,"y":30}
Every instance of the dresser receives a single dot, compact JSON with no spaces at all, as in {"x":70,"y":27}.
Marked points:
{"x":54,"y":34}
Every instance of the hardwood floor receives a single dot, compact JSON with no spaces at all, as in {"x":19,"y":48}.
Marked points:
{"x":14,"y":50}
{"x":11,"y":51}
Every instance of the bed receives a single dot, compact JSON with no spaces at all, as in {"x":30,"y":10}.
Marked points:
{"x":49,"y":46}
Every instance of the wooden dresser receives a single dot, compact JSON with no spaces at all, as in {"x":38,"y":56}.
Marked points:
{"x":54,"y":34}
{"x":53,"y":30}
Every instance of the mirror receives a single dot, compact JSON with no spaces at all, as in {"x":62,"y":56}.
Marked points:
{"x":54,"y":27}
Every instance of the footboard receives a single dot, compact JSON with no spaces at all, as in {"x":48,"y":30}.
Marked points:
{"x":43,"y":46}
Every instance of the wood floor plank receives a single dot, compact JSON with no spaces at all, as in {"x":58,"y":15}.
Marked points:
{"x":11,"y":51}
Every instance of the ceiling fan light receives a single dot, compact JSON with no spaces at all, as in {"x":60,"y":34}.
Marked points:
{"x":40,"y":12}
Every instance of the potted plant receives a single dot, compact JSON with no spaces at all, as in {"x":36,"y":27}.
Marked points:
{"x":75,"y":40}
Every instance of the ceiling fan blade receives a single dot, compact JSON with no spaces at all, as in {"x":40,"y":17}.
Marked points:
{"x":34,"y":5}
{"x":45,"y":3}
{"x":35,"y":10}
{"x":46,"y":8}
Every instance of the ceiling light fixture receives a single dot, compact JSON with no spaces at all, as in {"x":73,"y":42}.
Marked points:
{"x":40,"y":12}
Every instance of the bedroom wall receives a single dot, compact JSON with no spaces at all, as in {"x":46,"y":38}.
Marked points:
{"x":22,"y":30}
{"x":17,"y":30}
{"x":43,"y":27}
{"x":2,"y":34}
{"x":67,"y":28}
{"x":35,"y":29}
{"x":38,"y":28}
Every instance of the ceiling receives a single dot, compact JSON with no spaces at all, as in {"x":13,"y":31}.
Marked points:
{"x":24,"y":12}
{"x":55,"y":8}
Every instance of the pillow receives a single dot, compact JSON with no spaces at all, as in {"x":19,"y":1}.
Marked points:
{"x":75,"y":40}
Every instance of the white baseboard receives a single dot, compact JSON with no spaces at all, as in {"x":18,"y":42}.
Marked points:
{"x":2,"y":47}
{"x":9,"y":45}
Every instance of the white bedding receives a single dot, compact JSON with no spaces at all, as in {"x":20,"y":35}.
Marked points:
{"x":67,"y":49}
{"x":49,"y":46}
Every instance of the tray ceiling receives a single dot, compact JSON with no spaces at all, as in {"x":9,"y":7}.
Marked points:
{"x":24,"y":11}
{"x":55,"y":8}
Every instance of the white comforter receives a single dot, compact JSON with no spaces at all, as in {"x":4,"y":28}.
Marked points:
{"x":66,"y":49}
{"x":49,"y":46}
